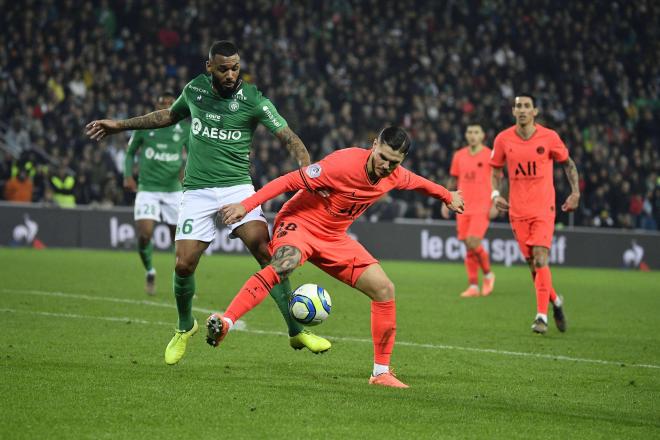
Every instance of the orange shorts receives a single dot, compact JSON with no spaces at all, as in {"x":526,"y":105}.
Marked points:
{"x":472,"y":225}
{"x":535,"y":231}
{"x":340,"y":257}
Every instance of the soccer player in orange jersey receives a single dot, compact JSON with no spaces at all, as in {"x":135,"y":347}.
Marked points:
{"x":528,"y":150}
{"x":470,"y":170}
{"x":312,"y":227}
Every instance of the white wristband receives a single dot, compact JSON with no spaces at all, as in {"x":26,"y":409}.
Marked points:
{"x":494,"y":194}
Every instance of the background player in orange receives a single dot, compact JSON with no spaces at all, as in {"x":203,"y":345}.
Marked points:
{"x":469,"y":169}
{"x":310,"y":227}
{"x":528,"y":150}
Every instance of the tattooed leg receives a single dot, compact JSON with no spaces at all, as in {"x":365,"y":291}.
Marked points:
{"x":285,"y":260}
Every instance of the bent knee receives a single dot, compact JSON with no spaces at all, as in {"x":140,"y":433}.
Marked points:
{"x":472,"y":243}
{"x":185,"y":266}
{"x":384,"y":292}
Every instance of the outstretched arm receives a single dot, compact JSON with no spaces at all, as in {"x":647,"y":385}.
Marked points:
{"x":295,"y":145}
{"x":496,"y":177}
{"x":453,"y":199}
{"x":573,"y":177}
{"x":98,"y":129}
{"x":289,"y":182}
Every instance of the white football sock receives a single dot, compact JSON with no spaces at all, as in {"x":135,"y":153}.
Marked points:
{"x":474,"y":286}
{"x":543,"y":316}
{"x":151,"y":271}
{"x":488,"y":275}
{"x":557,"y":302}
{"x":229,"y":322}
{"x":380,"y":369}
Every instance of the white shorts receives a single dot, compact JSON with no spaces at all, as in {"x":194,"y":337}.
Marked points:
{"x":199,"y":210}
{"x":157,"y":206}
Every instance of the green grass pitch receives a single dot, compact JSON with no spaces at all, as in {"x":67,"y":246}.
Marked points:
{"x":82,"y":356}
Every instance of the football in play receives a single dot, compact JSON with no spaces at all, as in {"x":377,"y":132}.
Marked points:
{"x":310,"y":304}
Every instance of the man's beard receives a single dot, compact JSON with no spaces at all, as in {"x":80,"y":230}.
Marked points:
{"x":224,"y":91}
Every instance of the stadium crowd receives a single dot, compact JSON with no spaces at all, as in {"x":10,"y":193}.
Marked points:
{"x":338,"y":71}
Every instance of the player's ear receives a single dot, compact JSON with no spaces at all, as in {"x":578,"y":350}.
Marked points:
{"x":208,"y":66}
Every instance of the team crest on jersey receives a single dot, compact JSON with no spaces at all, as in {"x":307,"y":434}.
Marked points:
{"x":233,"y":106}
{"x":540,"y":150}
{"x":176,"y":137}
{"x":313,"y":171}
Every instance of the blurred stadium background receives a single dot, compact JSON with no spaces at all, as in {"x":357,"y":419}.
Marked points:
{"x":338,"y":71}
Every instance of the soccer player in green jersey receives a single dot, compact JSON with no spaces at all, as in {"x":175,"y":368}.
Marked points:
{"x":159,"y":191}
{"x":224,"y":112}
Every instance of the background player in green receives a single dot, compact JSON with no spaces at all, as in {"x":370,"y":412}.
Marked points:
{"x":159,"y":191}
{"x":224,"y":113}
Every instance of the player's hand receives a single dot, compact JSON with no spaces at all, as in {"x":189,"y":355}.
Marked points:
{"x":232,"y":213}
{"x":456,"y":204}
{"x":129,"y":184}
{"x":444,"y":211}
{"x":501,"y":204}
{"x":101,"y":128}
{"x":571,"y":202}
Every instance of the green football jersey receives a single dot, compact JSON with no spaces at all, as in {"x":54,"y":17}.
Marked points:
{"x":160,"y":157}
{"x":221,"y":131}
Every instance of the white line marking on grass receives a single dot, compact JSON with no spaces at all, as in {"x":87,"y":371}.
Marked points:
{"x":100,"y":298}
{"x":276,"y":333}
{"x":239,"y":325}
{"x":100,"y":318}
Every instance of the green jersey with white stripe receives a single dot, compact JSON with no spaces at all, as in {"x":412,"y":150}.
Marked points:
{"x":160,"y":157}
{"x":221,"y":131}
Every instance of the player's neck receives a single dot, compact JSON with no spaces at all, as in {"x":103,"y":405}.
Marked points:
{"x":526,"y":131}
{"x":371,"y":174}
{"x":474,"y":149}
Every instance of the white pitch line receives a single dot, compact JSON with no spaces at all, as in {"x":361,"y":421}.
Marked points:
{"x":100,"y":298}
{"x":276,"y":333}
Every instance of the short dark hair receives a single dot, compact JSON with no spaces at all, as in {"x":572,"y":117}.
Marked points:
{"x":474,"y":124}
{"x":396,"y":137}
{"x":526,"y":95}
{"x":224,"y":48}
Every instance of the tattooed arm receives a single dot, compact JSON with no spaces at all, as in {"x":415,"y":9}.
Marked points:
{"x":97,"y":130}
{"x":573,"y":177}
{"x":295,"y":146}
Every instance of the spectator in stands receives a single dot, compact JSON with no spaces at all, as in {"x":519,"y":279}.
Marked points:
{"x":62,"y":185}
{"x":19,"y":187}
{"x":339,"y":74}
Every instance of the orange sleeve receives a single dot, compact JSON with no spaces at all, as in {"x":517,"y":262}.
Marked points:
{"x":312,"y":178}
{"x":288,"y":182}
{"x":558,"y":150}
{"x":497,"y":156}
{"x":411,"y":181}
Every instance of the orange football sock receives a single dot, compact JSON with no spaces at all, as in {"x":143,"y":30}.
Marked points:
{"x":254,"y":290}
{"x":383,"y":330}
{"x":483,"y":259}
{"x":543,"y":284}
{"x":553,"y":295}
{"x":472,"y":267}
